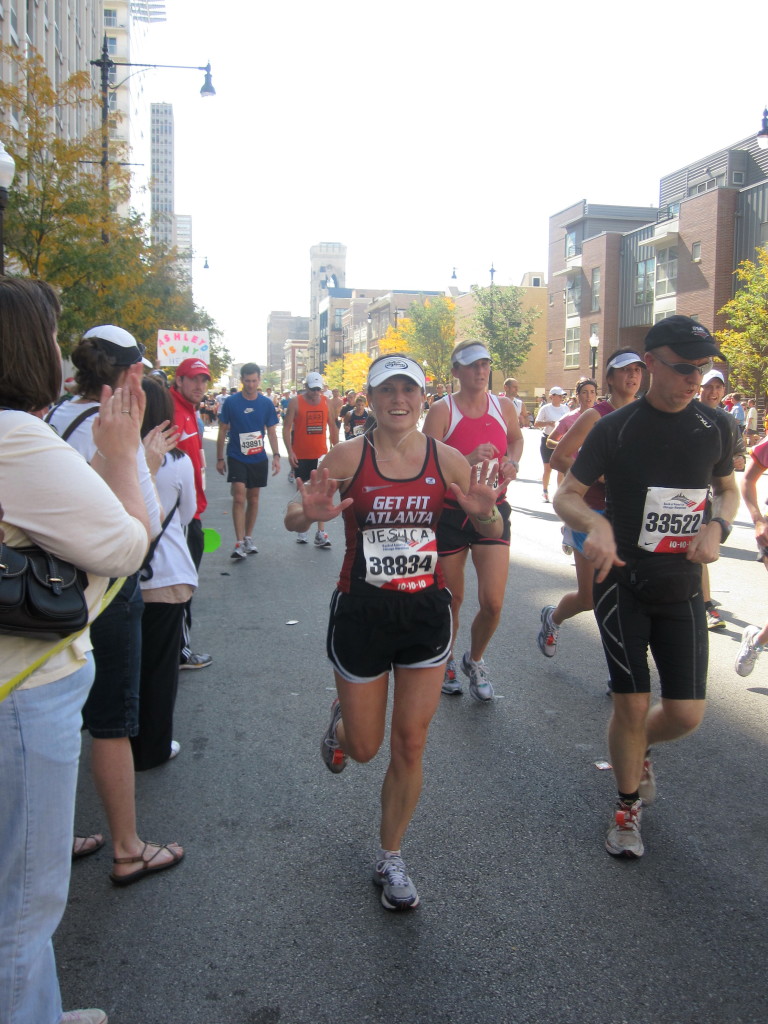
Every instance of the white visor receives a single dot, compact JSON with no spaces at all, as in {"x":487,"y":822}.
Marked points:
{"x":470,"y":354}
{"x":625,"y":359}
{"x":395,"y":366}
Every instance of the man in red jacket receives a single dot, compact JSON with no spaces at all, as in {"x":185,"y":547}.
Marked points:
{"x":187,"y":391}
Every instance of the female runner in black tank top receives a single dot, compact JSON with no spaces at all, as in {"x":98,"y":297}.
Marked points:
{"x":390,"y":605}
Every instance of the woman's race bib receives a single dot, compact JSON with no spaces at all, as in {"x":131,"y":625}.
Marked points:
{"x":252,"y":442}
{"x":671,"y":519}
{"x":400,"y":558}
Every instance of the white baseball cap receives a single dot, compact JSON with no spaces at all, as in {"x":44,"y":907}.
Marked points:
{"x":119,"y":344}
{"x":314,"y":380}
{"x":556,"y":391}
{"x":395,"y":366}
{"x":712,"y":375}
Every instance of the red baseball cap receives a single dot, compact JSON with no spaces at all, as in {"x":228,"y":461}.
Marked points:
{"x":193,"y":368}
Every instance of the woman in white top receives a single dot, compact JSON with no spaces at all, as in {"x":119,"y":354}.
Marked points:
{"x":94,"y":517}
{"x":167,"y":583}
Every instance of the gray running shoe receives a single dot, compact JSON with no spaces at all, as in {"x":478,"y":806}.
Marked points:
{"x":249,"y":547}
{"x":302,"y":538}
{"x":624,"y":839}
{"x":334,"y":757}
{"x":451,"y":684}
{"x":647,"y":787}
{"x":549,"y":632}
{"x":748,"y":652}
{"x":196,"y":661}
{"x":239,"y":552}
{"x":322,"y":540}
{"x":480,"y":686}
{"x":397,"y":890}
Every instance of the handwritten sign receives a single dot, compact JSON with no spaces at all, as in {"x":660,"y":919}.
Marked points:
{"x":173,"y":347}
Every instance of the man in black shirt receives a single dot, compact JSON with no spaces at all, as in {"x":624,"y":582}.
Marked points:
{"x":659,"y":457}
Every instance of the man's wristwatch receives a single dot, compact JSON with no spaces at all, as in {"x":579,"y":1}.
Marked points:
{"x":725,"y":527}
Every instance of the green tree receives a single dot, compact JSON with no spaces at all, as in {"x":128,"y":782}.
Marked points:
{"x":62,"y":224}
{"x":501,"y":322}
{"x":429,"y":331}
{"x":745,"y":341}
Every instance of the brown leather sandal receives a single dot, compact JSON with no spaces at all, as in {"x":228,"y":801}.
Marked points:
{"x":146,"y":863}
{"x":84,"y":846}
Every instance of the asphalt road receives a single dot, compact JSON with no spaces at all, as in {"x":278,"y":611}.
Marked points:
{"x":525,"y":918}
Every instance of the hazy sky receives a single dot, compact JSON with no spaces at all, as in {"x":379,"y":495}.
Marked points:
{"x":431,"y":134}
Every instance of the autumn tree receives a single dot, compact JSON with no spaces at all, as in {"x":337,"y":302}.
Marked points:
{"x":429,"y":331}
{"x":349,"y":372}
{"x":500,"y":321}
{"x":62,"y":224}
{"x":395,"y":339}
{"x":745,"y":341}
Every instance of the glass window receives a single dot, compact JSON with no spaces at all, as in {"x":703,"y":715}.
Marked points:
{"x":572,"y":339}
{"x":666,"y":271}
{"x":595,"y":288}
{"x":570,"y":244}
{"x":110,"y":18}
{"x":644,"y":271}
{"x":696,"y":251}
{"x":573,"y":297}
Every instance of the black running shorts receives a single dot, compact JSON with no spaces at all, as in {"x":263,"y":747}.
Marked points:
{"x":676,"y":635}
{"x":456,"y":533}
{"x":369,"y":634}
{"x":304,"y":468}
{"x":252,"y":474}
{"x":546,"y":453}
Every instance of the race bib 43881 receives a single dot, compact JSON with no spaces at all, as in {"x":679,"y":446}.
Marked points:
{"x":671,"y":518}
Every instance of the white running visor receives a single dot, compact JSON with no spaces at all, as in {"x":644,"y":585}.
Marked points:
{"x":395,"y":366}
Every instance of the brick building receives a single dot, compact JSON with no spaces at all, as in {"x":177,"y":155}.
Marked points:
{"x":614,"y":271}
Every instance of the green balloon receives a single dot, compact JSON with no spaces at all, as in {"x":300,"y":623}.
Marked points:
{"x":211,"y":539}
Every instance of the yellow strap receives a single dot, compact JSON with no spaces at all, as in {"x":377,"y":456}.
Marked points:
{"x":6,"y":689}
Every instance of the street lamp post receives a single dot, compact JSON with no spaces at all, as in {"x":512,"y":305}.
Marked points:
{"x":7,"y":171}
{"x":105,"y":65}
{"x":594,"y":341}
{"x":762,"y":135}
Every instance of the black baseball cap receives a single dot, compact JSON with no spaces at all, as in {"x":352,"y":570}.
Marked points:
{"x":687,"y":338}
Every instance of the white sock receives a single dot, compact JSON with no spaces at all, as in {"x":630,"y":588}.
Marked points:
{"x":388,"y":854}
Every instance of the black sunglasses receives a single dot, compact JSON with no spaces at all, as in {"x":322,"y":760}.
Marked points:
{"x":686,"y":369}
